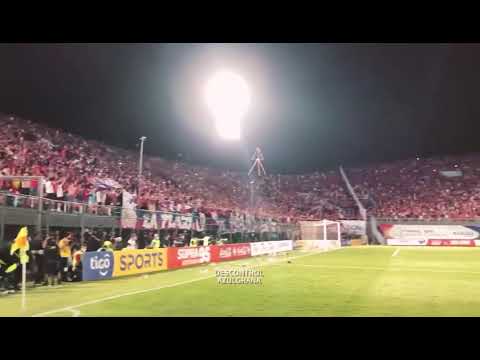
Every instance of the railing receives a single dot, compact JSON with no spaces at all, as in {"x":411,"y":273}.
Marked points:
{"x":66,"y":207}
{"x":428,"y":220}
{"x":75,"y":208}
{"x":51,"y":206}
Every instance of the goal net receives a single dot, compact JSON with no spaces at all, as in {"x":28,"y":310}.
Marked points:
{"x":319,"y":234}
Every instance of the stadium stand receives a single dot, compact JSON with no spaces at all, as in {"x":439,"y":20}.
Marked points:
{"x":427,"y":188}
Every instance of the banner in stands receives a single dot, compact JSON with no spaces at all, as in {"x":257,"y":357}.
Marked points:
{"x":422,"y":234}
{"x":353,"y":228}
{"x":150,"y":220}
{"x":97,"y":265}
{"x":131,"y":262}
{"x":106,"y":184}
{"x":185,"y":222}
{"x":129,"y":215}
{"x":268,"y":247}
{"x":187,"y":256}
{"x":407,"y":242}
{"x":452,"y":173}
{"x":165,"y":220}
{"x":229,"y":252}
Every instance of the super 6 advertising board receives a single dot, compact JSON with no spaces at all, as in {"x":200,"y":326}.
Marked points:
{"x":229,"y":252}
{"x":106,"y":264}
{"x":187,"y":256}
{"x":451,"y":243}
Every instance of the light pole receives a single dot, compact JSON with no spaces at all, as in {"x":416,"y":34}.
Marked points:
{"x":140,"y":163}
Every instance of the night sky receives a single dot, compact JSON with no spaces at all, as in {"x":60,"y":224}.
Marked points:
{"x":314,"y":106}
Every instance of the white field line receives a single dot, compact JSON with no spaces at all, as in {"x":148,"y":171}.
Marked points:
{"x":70,"y":308}
{"x":76,"y":313}
{"x":390,"y":269}
{"x":396,"y":252}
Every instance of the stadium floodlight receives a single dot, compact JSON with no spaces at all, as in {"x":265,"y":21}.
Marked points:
{"x":228,"y":99}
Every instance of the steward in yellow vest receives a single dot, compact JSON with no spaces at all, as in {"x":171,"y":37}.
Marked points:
{"x":155,"y":244}
{"x":107,"y":246}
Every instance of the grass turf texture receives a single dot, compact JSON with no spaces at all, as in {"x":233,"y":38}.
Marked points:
{"x":363,"y":281}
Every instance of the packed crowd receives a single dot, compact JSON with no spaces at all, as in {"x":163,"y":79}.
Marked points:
{"x":427,"y":188}
{"x":422,"y":188}
{"x":73,"y":166}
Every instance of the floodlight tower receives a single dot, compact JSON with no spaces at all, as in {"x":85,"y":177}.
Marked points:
{"x":257,"y":163}
{"x":257,"y":171}
{"x":140,"y":165}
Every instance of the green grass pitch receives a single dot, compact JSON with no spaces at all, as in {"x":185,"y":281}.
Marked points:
{"x":362,"y":281}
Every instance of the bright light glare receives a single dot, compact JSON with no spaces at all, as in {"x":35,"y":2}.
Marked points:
{"x":228,"y":99}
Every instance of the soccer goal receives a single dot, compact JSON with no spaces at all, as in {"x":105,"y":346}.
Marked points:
{"x":319,"y":234}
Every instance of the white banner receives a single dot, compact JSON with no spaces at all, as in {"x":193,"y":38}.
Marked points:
{"x":268,"y":247}
{"x":452,"y":173}
{"x":150,"y":220}
{"x":428,"y":232}
{"x":317,"y":244}
{"x":129,"y":215}
{"x":407,"y":242}
{"x":185,"y":222}
{"x":166,"y":220}
{"x":354,"y":227}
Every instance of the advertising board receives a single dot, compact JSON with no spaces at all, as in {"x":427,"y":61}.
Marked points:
{"x":268,"y":247}
{"x":131,"y":262}
{"x":423,"y":234}
{"x":188,"y":256}
{"x":97,"y":265}
{"x":229,"y":252}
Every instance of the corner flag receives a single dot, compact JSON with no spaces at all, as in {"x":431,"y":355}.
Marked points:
{"x":21,"y":241}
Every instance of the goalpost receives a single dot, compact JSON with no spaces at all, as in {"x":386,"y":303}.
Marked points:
{"x":320,"y":234}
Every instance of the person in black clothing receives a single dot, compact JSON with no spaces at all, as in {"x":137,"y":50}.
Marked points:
{"x":52,"y":261}
{"x":36,"y":249}
{"x":117,"y":243}
{"x":92,"y":242}
{"x":188,"y":238}
{"x":16,"y":277}
{"x":141,"y":243}
{"x":5,"y":261}
{"x":77,"y":263}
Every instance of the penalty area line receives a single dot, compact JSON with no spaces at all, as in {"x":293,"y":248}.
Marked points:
{"x":396,"y":252}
